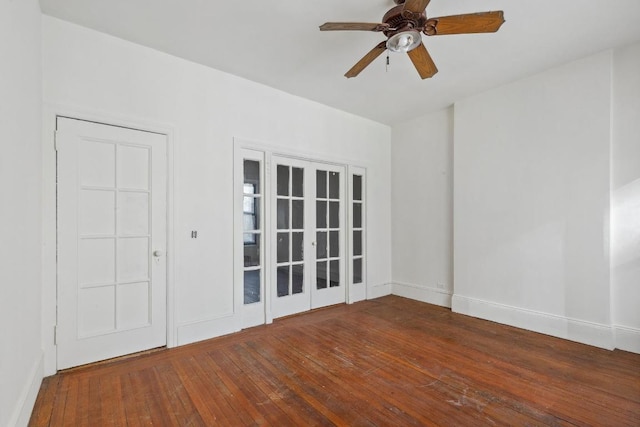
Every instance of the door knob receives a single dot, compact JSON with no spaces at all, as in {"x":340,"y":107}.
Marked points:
{"x":157,"y":253}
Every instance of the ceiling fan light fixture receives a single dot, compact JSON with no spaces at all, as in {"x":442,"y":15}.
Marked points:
{"x":404,"y":41}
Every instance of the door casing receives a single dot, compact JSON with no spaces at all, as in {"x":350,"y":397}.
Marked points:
{"x":49,"y":262}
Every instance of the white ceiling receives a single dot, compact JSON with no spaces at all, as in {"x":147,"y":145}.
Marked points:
{"x":278,"y":43}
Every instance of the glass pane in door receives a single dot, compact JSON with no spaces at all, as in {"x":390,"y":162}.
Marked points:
{"x":334,"y":185}
{"x":297,"y":248}
{"x":283,"y":214}
{"x":297,"y":214}
{"x":321,"y":214}
{"x":357,"y":243}
{"x":283,"y":180}
{"x":321,"y":184}
{"x":357,"y":187}
{"x":334,"y":273}
{"x":334,"y":244}
{"x":297,"y":279}
{"x":251,"y":250}
{"x":283,"y":248}
{"x":283,"y":281}
{"x":321,"y":274}
{"x":251,"y":286}
{"x":321,"y":245}
{"x":334,"y":214}
{"x":297,"y":182}
{"x":357,"y":270}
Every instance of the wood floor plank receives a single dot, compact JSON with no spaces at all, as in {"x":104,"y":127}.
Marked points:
{"x":293,"y":387}
{"x":230,"y":405}
{"x":82,"y":406}
{"x":285,"y":396}
{"x":72,"y":401}
{"x":136,"y":413}
{"x":517,"y":381}
{"x":348,"y":373}
{"x":201,"y":394}
{"x":363,"y":400}
{"x":259,"y":400}
{"x":176,"y":400}
{"x":411,"y":378}
{"x":431,"y":387}
{"x":45,"y":402}
{"x":112,"y":411}
{"x":390,"y":361}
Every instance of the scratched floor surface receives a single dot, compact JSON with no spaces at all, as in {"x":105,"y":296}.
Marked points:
{"x":390,"y":361}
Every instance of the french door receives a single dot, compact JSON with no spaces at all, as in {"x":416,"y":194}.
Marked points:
{"x":307,"y":235}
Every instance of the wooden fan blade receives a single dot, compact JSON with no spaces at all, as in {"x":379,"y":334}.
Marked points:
{"x":423,"y":62}
{"x":366,"y":60}
{"x":483,"y":22}
{"x":416,"y":6}
{"x":352,"y":26}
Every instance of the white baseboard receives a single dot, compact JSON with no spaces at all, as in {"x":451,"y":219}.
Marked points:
{"x":206,"y":329}
{"x":627,"y":339}
{"x":581,"y":331}
{"x":381,"y":290}
{"x":24,"y":407}
{"x":426,"y":294}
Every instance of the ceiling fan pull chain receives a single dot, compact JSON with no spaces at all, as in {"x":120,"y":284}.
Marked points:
{"x":388,"y":62}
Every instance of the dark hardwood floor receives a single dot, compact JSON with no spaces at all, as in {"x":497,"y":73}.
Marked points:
{"x":385,"y":362}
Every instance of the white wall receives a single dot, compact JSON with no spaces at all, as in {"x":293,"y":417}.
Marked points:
{"x":531,"y":197}
{"x":625,"y":198}
{"x":206,"y":109}
{"x":422,"y":208}
{"x":547,"y":203}
{"x":20,"y":209}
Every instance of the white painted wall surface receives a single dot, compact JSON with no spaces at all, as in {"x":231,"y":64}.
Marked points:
{"x":20,"y":209}
{"x":207,"y":109}
{"x":625,"y":198}
{"x":422,"y":208}
{"x":531,"y":198}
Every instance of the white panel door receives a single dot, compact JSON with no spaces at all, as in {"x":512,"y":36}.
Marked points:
{"x":111,"y":241}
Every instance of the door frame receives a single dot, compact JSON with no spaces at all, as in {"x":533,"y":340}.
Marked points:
{"x":352,"y":292}
{"x":49,"y":212}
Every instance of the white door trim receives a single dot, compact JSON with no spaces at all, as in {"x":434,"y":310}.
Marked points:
{"x":49,"y":263}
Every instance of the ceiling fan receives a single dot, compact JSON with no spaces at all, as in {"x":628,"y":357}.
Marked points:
{"x":402,"y":26}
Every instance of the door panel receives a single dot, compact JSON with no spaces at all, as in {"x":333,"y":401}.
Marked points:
{"x":291,"y":244}
{"x":249,"y":230}
{"x":309,"y":237}
{"x":328,"y":273}
{"x":111,"y":241}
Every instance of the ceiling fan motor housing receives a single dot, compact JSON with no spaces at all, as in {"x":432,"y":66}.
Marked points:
{"x":400,"y":20}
